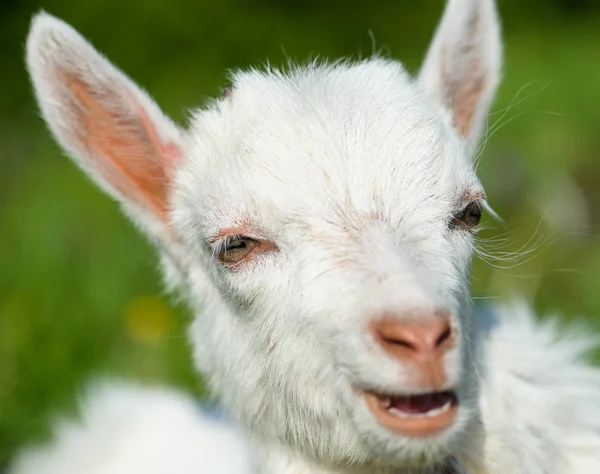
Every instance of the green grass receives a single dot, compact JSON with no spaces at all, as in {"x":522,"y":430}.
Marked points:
{"x":79,"y":290}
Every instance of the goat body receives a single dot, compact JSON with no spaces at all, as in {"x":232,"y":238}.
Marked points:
{"x":319,"y":222}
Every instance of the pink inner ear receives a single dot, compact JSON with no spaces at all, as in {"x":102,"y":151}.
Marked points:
{"x":464,"y":104}
{"x":124,"y":145}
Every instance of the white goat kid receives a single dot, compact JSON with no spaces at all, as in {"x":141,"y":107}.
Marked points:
{"x":319,"y":222}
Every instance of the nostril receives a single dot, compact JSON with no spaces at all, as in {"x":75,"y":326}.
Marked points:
{"x":445,"y":336}
{"x":399,"y":342}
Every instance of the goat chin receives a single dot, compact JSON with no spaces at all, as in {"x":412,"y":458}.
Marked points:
{"x":537,"y":393}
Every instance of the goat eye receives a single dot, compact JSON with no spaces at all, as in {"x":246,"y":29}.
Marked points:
{"x":237,"y":249}
{"x":469,"y":217}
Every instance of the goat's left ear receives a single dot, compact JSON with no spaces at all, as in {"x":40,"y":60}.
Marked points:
{"x":462,"y":67}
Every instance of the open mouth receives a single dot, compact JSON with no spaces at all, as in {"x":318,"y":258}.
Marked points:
{"x":414,"y":415}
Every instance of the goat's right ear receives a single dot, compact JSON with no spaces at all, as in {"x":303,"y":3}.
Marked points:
{"x":462,"y":67}
{"x":110,"y":127}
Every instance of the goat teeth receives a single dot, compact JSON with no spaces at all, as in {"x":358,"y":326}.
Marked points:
{"x":438,"y":411}
{"x":402,"y":414}
{"x":385,"y":403}
{"x":428,"y":414}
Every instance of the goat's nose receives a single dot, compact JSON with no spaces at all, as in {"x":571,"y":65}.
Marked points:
{"x":422,"y":337}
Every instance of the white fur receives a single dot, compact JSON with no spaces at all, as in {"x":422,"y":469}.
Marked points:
{"x":353,"y":172}
{"x":127,"y":429}
{"x":540,"y":397}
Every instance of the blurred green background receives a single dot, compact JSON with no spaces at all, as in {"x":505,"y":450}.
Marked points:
{"x":79,"y":290}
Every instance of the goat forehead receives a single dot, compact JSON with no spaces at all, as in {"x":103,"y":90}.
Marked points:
{"x":323,"y":138}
